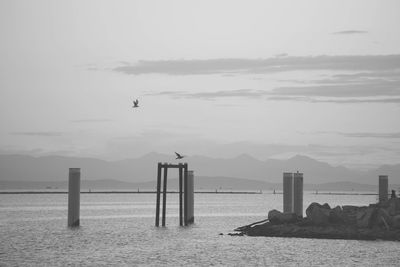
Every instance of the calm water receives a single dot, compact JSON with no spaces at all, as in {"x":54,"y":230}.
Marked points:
{"x":118,"y":229}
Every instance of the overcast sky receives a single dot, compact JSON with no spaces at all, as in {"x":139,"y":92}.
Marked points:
{"x":218,"y":78}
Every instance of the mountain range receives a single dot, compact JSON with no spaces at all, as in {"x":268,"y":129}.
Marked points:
{"x":242,"y":170}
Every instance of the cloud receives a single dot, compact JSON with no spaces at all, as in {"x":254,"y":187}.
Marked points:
{"x":361,"y":87}
{"x":90,"y":120}
{"x":259,"y":66}
{"x":336,"y":100}
{"x":385,"y":135}
{"x":249,"y":93}
{"x":350,"y":32}
{"x":44,"y":134}
{"x":373,"y":135}
{"x":366,"y":89}
{"x":348,"y":79}
{"x":257,"y":94}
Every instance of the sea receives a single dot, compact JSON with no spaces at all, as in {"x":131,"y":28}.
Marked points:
{"x":117,"y":229}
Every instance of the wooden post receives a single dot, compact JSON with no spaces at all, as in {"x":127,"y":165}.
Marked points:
{"x":298,"y":194}
{"x":158,"y":194}
{"x":180,"y":195}
{"x":383,"y":188}
{"x":164,"y":194}
{"x":287,"y":192}
{"x":74,"y":187}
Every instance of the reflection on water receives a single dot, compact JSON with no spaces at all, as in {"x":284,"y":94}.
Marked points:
{"x":118,"y":229}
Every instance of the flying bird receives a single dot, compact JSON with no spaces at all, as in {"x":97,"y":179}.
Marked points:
{"x":179,"y":156}
{"x":135,"y":104}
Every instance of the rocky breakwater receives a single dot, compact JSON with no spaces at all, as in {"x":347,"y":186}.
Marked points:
{"x":376,"y":221}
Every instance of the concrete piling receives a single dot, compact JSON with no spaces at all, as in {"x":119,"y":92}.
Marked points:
{"x":298,"y":194}
{"x":74,"y":187}
{"x":164,"y":195}
{"x":180,"y":194}
{"x":158,"y":194}
{"x":189,"y":198}
{"x":383,"y":188}
{"x":287,"y":192}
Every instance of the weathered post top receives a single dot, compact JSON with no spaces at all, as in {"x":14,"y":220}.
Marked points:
{"x":74,"y":170}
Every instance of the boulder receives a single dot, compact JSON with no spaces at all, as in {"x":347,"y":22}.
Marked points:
{"x":318,"y":214}
{"x":364,"y":216}
{"x":326,"y":206}
{"x":311,"y":207}
{"x":380,"y":218}
{"x":350,"y":214}
{"x":384,"y":218}
{"x":336,"y":215}
{"x":394,"y":206}
{"x":396,"y":222}
{"x":277,"y":217}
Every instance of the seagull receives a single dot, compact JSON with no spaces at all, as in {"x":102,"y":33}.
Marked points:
{"x":179,"y":156}
{"x":135,"y":104}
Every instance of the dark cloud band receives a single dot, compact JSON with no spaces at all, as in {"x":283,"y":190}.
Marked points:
{"x":269,"y":65}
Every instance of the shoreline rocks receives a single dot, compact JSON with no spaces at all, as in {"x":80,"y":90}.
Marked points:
{"x":376,"y":221}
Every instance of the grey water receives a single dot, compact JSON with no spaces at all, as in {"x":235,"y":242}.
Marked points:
{"x":118,"y":229}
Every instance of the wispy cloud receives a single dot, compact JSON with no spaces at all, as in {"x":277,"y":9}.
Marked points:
{"x":248,"y":93}
{"x":365,"y":89}
{"x":384,"y":135}
{"x":91,"y":120}
{"x":348,"y":79}
{"x":257,"y":94}
{"x":268,"y":65}
{"x":360,"y":87}
{"x":44,"y":134}
{"x":373,"y":135}
{"x":336,"y":100}
{"x":349,"y":32}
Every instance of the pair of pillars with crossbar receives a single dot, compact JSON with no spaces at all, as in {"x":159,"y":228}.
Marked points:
{"x":186,"y":193}
{"x":293,"y":193}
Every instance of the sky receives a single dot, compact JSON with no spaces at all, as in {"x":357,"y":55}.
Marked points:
{"x":219,"y":78}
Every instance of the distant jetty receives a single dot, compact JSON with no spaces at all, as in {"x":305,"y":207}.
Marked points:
{"x":374,"y":222}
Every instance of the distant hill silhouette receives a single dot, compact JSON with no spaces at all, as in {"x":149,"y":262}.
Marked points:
{"x":143,"y":169}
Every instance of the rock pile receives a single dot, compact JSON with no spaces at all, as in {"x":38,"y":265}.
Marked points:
{"x":376,"y":221}
{"x":384,"y":215}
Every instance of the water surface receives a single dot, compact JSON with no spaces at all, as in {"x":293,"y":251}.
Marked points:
{"x":118,"y":229}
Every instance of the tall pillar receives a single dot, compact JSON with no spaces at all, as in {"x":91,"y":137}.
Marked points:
{"x":74,"y":190}
{"x":287,"y":192}
{"x":180,"y":194}
{"x":383,"y":188}
{"x":189,"y":198}
{"x":158,"y":194}
{"x":164,"y":194}
{"x":298,"y":194}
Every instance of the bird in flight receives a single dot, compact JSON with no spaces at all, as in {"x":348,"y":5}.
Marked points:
{"x":135,"y":104}
{"x":179,"y":156}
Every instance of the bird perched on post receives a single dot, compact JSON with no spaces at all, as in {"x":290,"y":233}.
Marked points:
{"x":179,"y":156}
{"x":135,"y":104}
